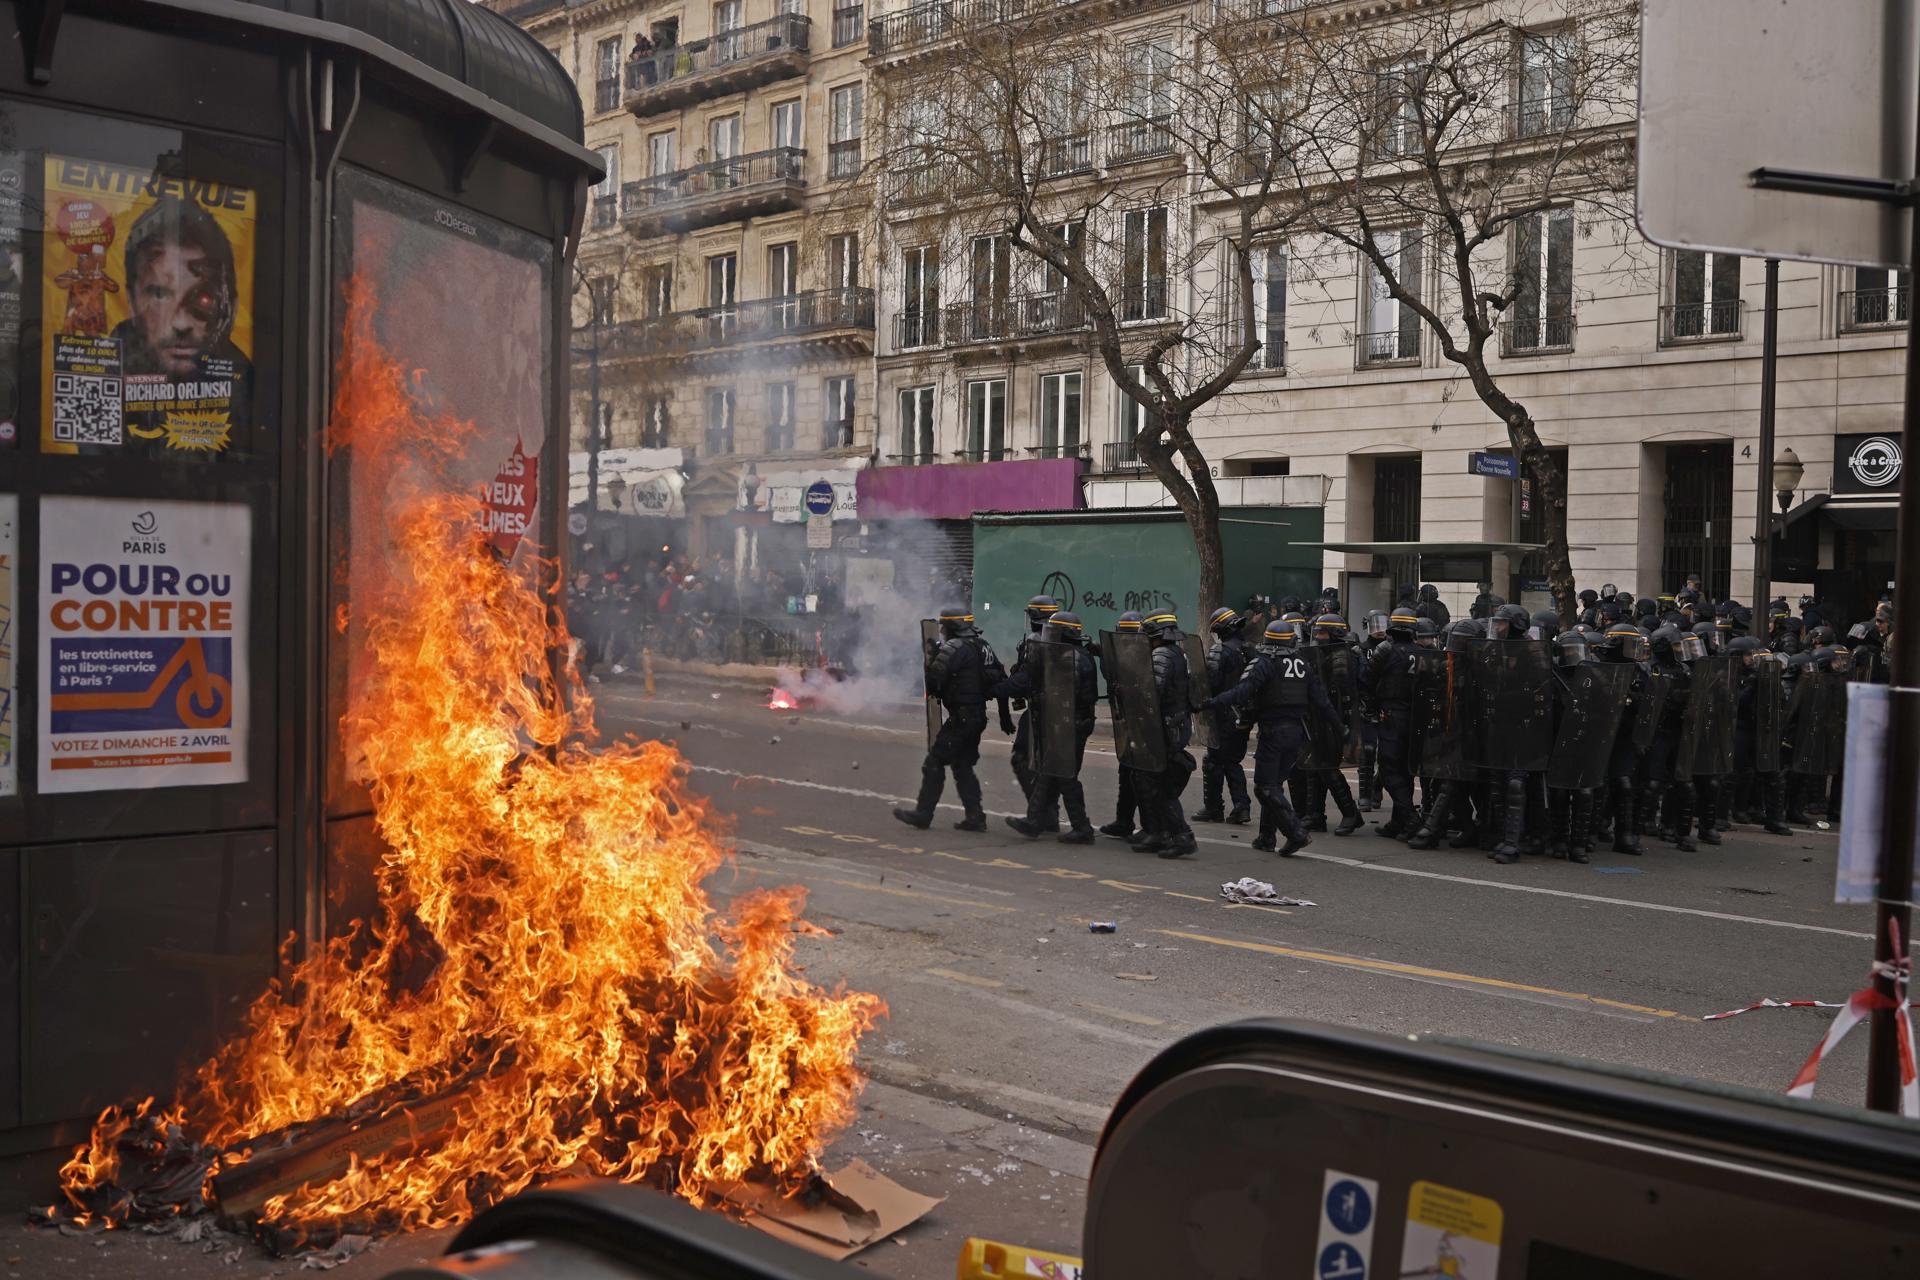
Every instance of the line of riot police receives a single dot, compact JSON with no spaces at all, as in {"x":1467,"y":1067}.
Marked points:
{"x":1654,"y":718}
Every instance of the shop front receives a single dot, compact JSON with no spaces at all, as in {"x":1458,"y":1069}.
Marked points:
{"x":1842,"y":543}
{"x":919,"y":520}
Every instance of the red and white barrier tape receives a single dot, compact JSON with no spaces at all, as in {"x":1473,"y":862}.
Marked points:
{"x":1857,"y":1006}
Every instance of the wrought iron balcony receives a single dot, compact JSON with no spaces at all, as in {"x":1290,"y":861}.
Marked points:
{"x":843,"y":159}
{"x":914,"y":329}
{"x":1686,"y":322}
{"x":1070,"y":153}
{"x":606,"y":212}
{"x":1539,"y":117}
{"x":1120,"y":455}
{"x":1074,"y":449}
{"x":1387,"y":347}
{"x":1539,"y":335}
{"x":841,"y":318}
{"x":1136,"y":140}
{"x":760,"y":182}
{"x":999,"y":454}
{"x":925,"y":459}
{"x":726,"y":62}
{"x":926,"y":24}
{"x":1863,"y":309}
{"x":1039,"y":314}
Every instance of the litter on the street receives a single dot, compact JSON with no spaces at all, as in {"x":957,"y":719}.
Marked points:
{"x":1258,"y":893}
{"x":1103,"y":926}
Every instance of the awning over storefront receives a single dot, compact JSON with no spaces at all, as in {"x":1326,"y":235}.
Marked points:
{"x":633,"y":482}
{"x":956,"y":491}
{"x":1869,"y":513}
{"x":1436,"y":548}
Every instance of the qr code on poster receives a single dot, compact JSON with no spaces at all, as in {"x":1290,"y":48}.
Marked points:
{"x":86,"y":409}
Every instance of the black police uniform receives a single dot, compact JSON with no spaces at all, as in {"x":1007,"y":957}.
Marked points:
{"x":958,"y":674}
{"x":1022,"y":736}
{"x":1388,"y":699}
{"x":1220,"y":766}
{"x":1159,"y":793}
{"x":1282,"y":689}
{"x":1050,"y":793}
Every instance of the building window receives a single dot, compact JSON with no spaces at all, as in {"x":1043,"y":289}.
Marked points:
{"x":1147,"y":93}
{"x":1390,"y":329}
{"x":1541,"y":318}
{"x":838,"y":429}
{"x":1878,"y":300}
{"x":849,"y":22}
{"x":606,"y":195}
{"x":653,"y":424}
{"x":1396,"y":500}
{"x":1267,"y":269}
{"x":657,"y":283}
{"x":987,"y":420}
{"x":660,"y":154}
{"x":785,"y":120}
{"x":919,"y":296}
{"x":916,"y":426}
{"x":1060,"y":415}
{"x":783,"y":283}
{"x":843,"y":260}
{"x":779,"y":417}
{"x":728,"y":17}
{"x":791,"y":8}
{"x":1143,"y":291}
{"x":719,"y":421}
{"x":1397,"y":93}
{"x":665,"y":33}
{"x":990,"y":277}
{"x":1545,"y":95}
{"x":1132,"y":417}
{"x":723,"y":140}
{"x":606,"y":75}
{"x":1065,"y":145}
{"x":846,"y":125}
{"x":723,"y":295}
{"x":1705,"y":293}
{"x":600,"y":300}
{"x":1263,"y":140}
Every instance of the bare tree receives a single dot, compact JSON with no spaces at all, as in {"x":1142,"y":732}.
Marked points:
{"x":1080,"y":154}
{"x":1458,"y":148}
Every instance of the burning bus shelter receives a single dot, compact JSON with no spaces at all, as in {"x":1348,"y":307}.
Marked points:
{"x":297,"y":836}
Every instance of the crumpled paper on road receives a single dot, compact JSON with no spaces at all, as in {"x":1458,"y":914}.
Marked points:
{"x":1258,"y":893}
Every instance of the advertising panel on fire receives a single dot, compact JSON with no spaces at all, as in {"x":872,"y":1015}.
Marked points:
{"x":9,"y":517}
{"x":143,"y":648}
{"x":147,"y":284}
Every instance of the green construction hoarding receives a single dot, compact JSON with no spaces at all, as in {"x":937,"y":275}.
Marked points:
{"x":1103,"y":563}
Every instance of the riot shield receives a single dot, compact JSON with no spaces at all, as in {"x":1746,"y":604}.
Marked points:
{"x":1509,"y":704}
{"x":1197,"y":690}
{"x":1817,"y":723}
{"x":1869,"y":665}
{"x":929,"y":645}
{"x":1706,"y":729}
{"x":1593,"y":706}
{"x":1050,"y":740}
{"x":1653,"y":706}
{"x":1117,"y":721}
{"x":1138,"y":703}
{"x":1769,"y":714}
{"x":1439,"y":717}
{"x":1327,"y":744}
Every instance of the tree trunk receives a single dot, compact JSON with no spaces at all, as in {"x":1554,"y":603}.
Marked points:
{"x":1197,"y":499}
{"x":1551,"y":485}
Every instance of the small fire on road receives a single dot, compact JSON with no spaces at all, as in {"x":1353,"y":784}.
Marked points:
{"x":545,"y":985}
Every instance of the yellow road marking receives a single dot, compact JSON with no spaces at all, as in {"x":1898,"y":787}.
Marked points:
{"x":1257,"y":906}
{"x":1138,"y":1019}
{"x":1415,"y":971}
{"x":1188,"y":896}
{"x":967,"y":978}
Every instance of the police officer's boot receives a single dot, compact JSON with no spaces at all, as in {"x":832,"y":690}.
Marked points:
{"x":1680,"y":808}
{"x":1626,"y":836}
{"x":1212,"y":782}
{"x":1350,"y":819}
{"x":1796,"y":802}
{"x":1435,"y":823}
{"x":1723,"y":804}
{"x":1368,"y":755}
{"x":1269,"y":826}
{"x":1533,"y":836}
{"x":1601,"y":828}
{"x":1314,"y":817}
{"x":933,"y":780}
{"x":1080,"y":827}
{"x":1773,"y":793}
{"x":1560,"y":812}
{"x":1513,"y":813}
{"x":1709,"y":811}
{"x":1580,"y":841}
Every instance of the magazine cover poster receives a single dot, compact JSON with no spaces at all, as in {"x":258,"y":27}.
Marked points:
{"x":147,"y":290}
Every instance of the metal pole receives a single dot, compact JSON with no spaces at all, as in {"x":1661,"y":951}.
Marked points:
{"x":593,"y":416}
{"x":1763,"y":483}
{"x":1892,"y":932}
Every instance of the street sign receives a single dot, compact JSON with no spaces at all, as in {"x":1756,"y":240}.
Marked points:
{"x":1819,"y":87}
{"x":819,"y":532}
{"x":819,"y":499}
{"x":1502,"y":466}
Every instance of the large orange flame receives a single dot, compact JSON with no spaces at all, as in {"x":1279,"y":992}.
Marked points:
{"x":543,"y":936}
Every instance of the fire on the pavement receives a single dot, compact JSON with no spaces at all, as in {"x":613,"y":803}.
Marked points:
{"x":783,"y":701}
{"x":545,"y":973}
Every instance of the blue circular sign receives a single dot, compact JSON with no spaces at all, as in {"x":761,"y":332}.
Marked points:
{"x":1341,"y":1261}
{"x":820,"y":498}
{"x":1349,"y":1207}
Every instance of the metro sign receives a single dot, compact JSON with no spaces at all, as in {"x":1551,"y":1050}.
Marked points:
{"x":508,"y":500}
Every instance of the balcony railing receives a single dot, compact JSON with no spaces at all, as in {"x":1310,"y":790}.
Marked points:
{"x":1070,"y":153}
{"x":606,"y":211}
{"x":1684,"y":322}
{"x":932,"y":21}
{"x":1139,"y":140}
{"x":843,"y":159}
{"x":924,"y":459}
{"x":1120,"y":455}
{"x":913,"y":329}
{"x":1535,"y":335}
{"x":1873,"y":308}
{"x":981,"y":321}
{"x":676,"y":192}
{"x":668,"y":76}
{"x":849,"y":24}
{"x":982,"y":455}
{"x":1038,"y":314}
{"x":1387,"y":346}
{"x":606,"y":94}
{"x":1071,"y":449}
{"x":1539,"y":118}
{"x":764,"y":319}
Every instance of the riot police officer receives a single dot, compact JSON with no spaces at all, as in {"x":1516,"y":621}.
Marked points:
{"x":1283,"y":689}
{"x":1668,"y":799}
{"x":1160,"y":792}
{"x":1368,"y":771}
{"x":959,"y":673}
{"x":1388,"y":697}
{"x":1126,"y":799}
{"x":1760,"y":717}
{"x":1516,"y":782}
{"x":1037,"y":685}
{"x":1431,"y":607}
{"x":1039,"y":609}
{"x":1626,"y":644}
{"x":1220,"y":767}
{"x":1326,"y":746}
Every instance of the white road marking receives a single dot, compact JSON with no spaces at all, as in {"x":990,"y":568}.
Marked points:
{"x":1357,"y":864}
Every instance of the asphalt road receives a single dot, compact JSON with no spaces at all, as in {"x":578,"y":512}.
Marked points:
{"x":1013,"y":1028}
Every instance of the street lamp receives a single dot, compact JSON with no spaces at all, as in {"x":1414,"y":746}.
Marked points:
{"x":1787,"y":471}
{"x":616,"y":490}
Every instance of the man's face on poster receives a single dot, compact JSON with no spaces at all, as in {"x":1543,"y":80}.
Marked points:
{"x":174,"y":304}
